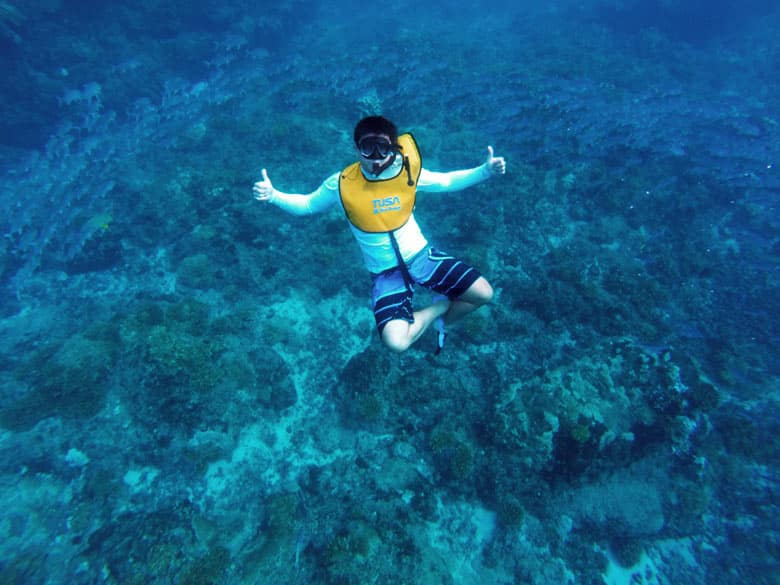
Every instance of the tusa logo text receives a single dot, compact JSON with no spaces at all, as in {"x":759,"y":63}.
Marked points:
{"x":387,"y":204}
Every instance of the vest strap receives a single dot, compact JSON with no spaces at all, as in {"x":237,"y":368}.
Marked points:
{"x":401,"y":264}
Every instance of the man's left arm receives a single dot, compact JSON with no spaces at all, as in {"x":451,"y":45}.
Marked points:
{"x":456,"y":180}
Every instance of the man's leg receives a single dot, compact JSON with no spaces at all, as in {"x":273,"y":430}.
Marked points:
{"x":478,"y":294}
{"x":399,"y":334}
{"x":399,"y":325}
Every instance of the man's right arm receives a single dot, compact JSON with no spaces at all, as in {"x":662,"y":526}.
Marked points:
{"x":298,"y":204}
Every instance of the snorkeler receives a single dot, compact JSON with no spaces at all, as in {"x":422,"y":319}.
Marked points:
{"x":377,"y":194}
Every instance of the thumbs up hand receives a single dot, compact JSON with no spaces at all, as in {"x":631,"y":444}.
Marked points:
{"x":495,"y":164}
{"x":263,"y":189}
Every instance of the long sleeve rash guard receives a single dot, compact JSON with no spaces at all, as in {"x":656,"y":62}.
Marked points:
{"x":378,"y":253}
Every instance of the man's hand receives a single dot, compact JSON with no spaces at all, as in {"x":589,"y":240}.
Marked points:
{"x":495,"y":164}
{"x":263,"y":190}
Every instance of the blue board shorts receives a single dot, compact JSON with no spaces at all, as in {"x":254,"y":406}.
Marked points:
{"x":432,"y":269}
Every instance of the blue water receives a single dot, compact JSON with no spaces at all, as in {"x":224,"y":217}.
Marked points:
{"x":191,"y":387}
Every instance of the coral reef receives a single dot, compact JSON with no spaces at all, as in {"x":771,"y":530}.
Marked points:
{"x":191,"y":386}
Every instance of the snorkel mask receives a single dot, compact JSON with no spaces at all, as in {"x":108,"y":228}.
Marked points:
{"x":377,"y":148}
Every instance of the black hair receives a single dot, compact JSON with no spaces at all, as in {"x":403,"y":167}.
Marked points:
{"x":376,"y":125}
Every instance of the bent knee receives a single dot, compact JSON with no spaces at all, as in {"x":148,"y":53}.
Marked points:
{"x":479,"y":293}
{"x":487,"y":294}
{"x":394,"y":338}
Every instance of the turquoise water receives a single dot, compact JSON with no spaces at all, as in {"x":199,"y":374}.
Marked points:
{"x":191,"y":387}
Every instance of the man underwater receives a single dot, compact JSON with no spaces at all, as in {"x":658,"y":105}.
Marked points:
{"x":378,"y":195}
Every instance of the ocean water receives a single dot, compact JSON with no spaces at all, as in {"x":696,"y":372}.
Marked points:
{"x":192,"y":390}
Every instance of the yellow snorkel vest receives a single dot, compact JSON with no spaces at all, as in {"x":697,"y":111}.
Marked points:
{"x":382,"y":205}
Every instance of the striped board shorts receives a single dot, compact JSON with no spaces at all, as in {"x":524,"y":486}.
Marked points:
{"x":432,"y":269}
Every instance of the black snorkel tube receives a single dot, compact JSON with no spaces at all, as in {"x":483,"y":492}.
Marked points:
{"x":377,"y":168}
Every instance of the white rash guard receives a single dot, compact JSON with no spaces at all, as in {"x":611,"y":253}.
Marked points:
{"x":378,"y":253}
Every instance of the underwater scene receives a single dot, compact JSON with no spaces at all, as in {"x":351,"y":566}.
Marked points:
{"x":193,"y":389}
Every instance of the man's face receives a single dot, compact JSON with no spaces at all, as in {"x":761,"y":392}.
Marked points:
{"x":375,"y":150}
